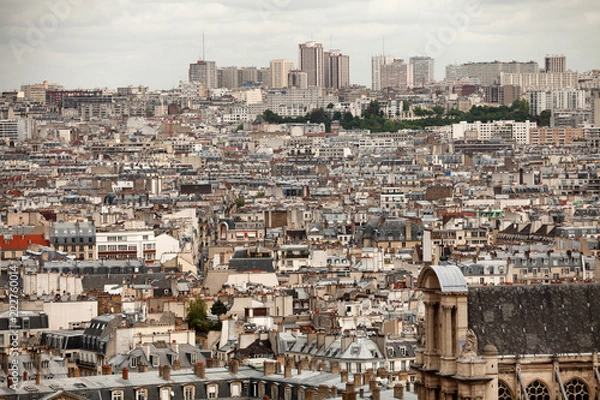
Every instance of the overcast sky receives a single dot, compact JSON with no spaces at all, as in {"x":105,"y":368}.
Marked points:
{"x":111,"y":43}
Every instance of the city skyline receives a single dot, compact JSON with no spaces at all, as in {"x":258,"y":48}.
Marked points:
{"x":121,"y":42}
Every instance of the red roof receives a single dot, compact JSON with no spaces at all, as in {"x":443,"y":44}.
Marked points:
{"x":22,"y":242}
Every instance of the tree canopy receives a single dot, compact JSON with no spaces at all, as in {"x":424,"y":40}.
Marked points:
{"x":197,"y":317}
{"x":218,"y":308}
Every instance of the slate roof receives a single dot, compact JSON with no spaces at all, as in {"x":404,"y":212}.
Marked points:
{"x":536,"y":319}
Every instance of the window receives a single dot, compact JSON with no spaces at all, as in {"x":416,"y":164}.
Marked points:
{"x":133,"y":362}
{"x":26,"y":323}
{"x":189,"y":393}
{"x":577,"y":389}
{"x":538,"y":391}
{"x":165,"y":393}
{"x":117,"y":395}
{"x":235,"y":389}
{"x":212,"y":391}
{"x":141,"y":394}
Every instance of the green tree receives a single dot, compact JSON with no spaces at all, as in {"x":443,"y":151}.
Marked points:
{"x":405,"y":105}
{"x":197,"y":316}
{"x":544,"y":118}
{"x":218,"y":308}
{"x":438,"y":110}
{"x":330,"y":105}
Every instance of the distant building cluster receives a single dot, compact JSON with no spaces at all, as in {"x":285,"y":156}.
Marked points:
{"x":272,"y":233}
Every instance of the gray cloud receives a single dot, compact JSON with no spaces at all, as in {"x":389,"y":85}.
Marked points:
{"x":111,"y":43}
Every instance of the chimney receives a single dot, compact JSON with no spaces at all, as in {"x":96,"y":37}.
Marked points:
{"x":38,"y":378}
{"x":376,"y":393}
{"x":350,"y":388}
{"x":408,"y":386}
{"x":372,"y":384}
{"x":76,"y":372}
{"x":9,"y":382}
{"x":25,"y":376}
{"x":200,"y":370}
{"x":335,"y":367}
{"x":142,"y":367}
{"x":314,"y":364}
{"x":287,"y":371}
{"x":106,"y":369}
{"x":361,"y":393}
{"x":346,"y":341}
{"x":175,"y":347}
{"x":125,"y":373}
{"x":299,"y":367}
{"x":176,"y":365}
{"x":334,"y":391}
{"x":399,"y":391}
{"x":358,"y":379}
{"x":166,"y":373}
{"x":408,"y":230}
{"x":344,"y":375}
{"x":269,"y":368}
{"x":234,"y":367}
{"x":322,"y":392}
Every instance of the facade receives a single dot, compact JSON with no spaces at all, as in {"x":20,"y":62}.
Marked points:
{"x":279,"y":73}
{"x":540,"y":80}
{"x":397,"y":75}
{"x":555,"y":63}
{"x":297,"y":79}
{"x":376,"y":63}
{"x":423,"y":70}
{"x":75,"y":238}
{"x":486,"y":131}
{"x":312,"y":62}
{"x":488,"y":73}
{"x":204,"y":72}
{"x":126,"y":245}
{"x":477,"y":343}
{"x":337,"y":70}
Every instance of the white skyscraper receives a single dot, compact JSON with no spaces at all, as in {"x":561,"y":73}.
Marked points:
{"x":422,"y":70}
{"x":376,"y":63}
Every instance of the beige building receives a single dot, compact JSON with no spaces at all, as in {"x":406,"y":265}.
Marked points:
{"x":279,"y":73}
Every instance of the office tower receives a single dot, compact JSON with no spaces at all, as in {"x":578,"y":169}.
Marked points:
{"x":422,"y":70}
{"x":311,"y":61}
{"x":279,"y":73}
{"x":204,"y":72}
{"x":376,"y":63}
{"x":337,"y":70}
{"x":397,"y":74}
{"x":555,"y":63}
{"x":297,"y":79}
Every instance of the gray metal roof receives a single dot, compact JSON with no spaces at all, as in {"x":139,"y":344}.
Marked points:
{"x":450,"y":278}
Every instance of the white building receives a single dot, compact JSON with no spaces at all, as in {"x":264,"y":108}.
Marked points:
{"x":123,"y":245}
{"x":512,"y":130}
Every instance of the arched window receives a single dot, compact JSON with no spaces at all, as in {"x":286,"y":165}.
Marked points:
{"x":504,"y":392}
{"x":537,"y":391}
{"x":577,"y":390}
{"x":212,"y":391}
{"x":287,"y":393}
{"x":274,"y":391}
{"x":235,"y":389}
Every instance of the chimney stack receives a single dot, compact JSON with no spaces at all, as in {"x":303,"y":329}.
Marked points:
{"x":125,"y":373}
{"x":176,"y":365}
{"x":76,"y":372}
{"x":287,"y":371}
{"x":376,"y":393}
{"x":234,"y":367}
{"x":200,"y":370}
{"x":269,"y":367}
{"x":399,"y":391}
{"x":344,"y":375}
{"x":38,"y":378}
{"x":166,"y":373}
{"x":106,"y":369}
{"x":358,"y":379}
{"x":142,"y":367}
